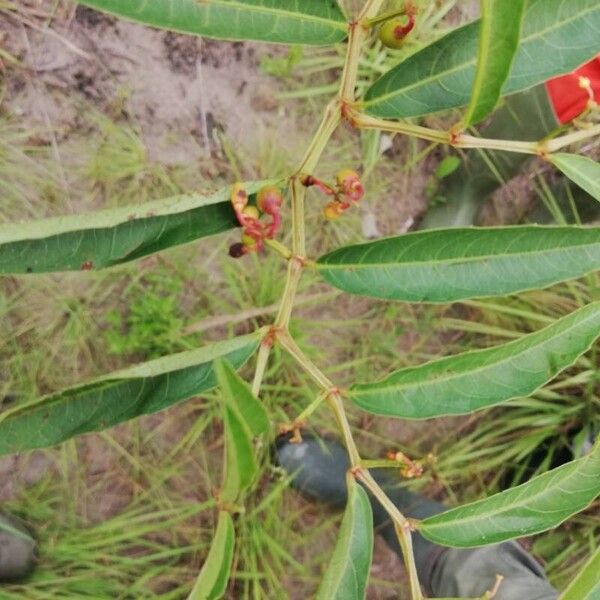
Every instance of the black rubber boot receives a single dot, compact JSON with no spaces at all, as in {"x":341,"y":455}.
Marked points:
{"x":318,"y":468}
{"x":17,"y":549}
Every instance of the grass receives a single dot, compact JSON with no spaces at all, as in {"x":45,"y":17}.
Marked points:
{"x":129,"y":513}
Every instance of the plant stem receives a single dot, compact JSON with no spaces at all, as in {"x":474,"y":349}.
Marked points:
{"x":386,"y":16}
{"x":289,"y":293}
{"x":461,"y":140}
{"x":279,"y":248}
{"x":369,"y":10}
{"x":331,"y":119}
{"x":571,"y":138}
{"x":298,"y":229}
{"x":335,"y":402}
{"x":337,"y":108}
{"x":261,"y":365}
{"x":402,"y":527}
{"x":310,"y":409}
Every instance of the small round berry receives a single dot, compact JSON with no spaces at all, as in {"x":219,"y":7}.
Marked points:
{"x":251,"y":212}
{"x":333,"y":211}
{"x":350,"y":185}
{"x":237,"y":250}
{"x":269,"y":199}
{"x":393,"y":32}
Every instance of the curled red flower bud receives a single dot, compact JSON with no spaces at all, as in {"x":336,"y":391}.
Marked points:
{"x":239,"y":197}
{"x":350,"y":185}
{"x":269,"y":199}
{"x":333,"y":210}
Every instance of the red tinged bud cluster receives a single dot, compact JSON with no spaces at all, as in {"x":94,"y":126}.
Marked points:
{"x":347,"y":191}
{"x":269,"y":201}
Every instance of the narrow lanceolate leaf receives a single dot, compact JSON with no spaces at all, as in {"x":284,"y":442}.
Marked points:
{"x":500,"y":26}
{"x":455,"y":264}
{"x":540,"y":504}
{"x":556,"y":37}
{"x":240,"y":462}
{"x":348,"y":571}
{"x":586,"y":586}
{"x":239,"y":397}
{"x":120,"y":396}
{"x":474,"y":380}
{"x":212,"y":580}
{"x":581,"y":170}
{"x":315,"y":22}
{"x":111,"y":237}
{"x":244,"y":418}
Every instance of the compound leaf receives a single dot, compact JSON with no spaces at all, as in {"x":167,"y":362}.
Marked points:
{"x":581,"y":170}
{"x":556,"y":37}
{"x":213,"y":578}
{"x":478,"y":379}
{"x":455,"y":264}
{"x":122,"y":395}
{"x":542,"y":503}
{"x":500,"y":27}
{"x":114,"y":236}
{"x":586,"y":585}
{"x":348,"y":571}
{"x":316,"y":22}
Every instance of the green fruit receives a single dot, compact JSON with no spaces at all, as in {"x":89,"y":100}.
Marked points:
{"x":393,"y":32}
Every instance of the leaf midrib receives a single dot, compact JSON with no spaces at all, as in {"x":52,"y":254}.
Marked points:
{"x":471,"y":62}
{"x":448,"y":261}
{"x":527,"y":499}
{"x":278,"y":12}
{"x":387,"y":388}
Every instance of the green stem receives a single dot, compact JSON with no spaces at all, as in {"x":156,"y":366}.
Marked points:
{"x":386,"y":16}
{"x":571,"y":138}
{"x":369,"y":10}
{"x":289,"y":294}
{"x":279,"y":248}
{"x":461,"y":140}
{"x":331,"y":119}
{"x":261,"y":366}
{"x":403,"y":531}
{"x":335,"y":402}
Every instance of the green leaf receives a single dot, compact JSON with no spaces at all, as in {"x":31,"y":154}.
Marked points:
{"x":455,"y":264}
{"x":111,"y":237}
{"x":478,"y":379}
{"x":586,"y":586}
{"x":542,"y":503}
{"x":581,"y":170}
{"x":139,"y":390}
{"x":244,"y":418}
{"x":500,"y":26}
{"x":239,"y":397}
{"x":447,"y":167}
{"x":240,"y":462}
{"x":316,"y":22}
{"x":348,"y":571}
{"x":556,"y":37}
{"x":213,"y":578}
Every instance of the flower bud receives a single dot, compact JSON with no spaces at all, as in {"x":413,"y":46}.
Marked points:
{"x":350,"y":185}
{"x":269,"y":199}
